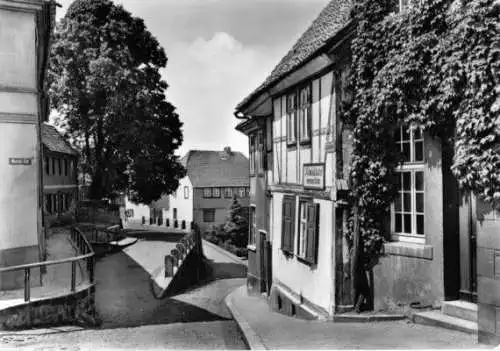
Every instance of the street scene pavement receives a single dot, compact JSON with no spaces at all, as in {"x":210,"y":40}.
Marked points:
{"x":133,"y":319}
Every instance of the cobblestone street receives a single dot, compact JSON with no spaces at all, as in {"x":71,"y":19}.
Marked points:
{"x":134,"y":319}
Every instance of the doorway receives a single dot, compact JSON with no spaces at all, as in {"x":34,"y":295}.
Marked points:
{"x":468,"y":235}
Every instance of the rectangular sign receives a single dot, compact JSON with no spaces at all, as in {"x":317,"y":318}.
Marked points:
{"x":314,"y":176}
{"x":20,"y":161}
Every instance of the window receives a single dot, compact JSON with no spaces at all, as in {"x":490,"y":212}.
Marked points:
{"x":408,"y":209}
{"x":65,"y":167}
{"x":241,"y":192}
{"x":228,"y":193}
{"x":47,"y":165}
{"x":305,"y":114}
{"x":288,"y":225}
{"x":307,"y":248}
{"x":186,"y":192}
{"x":252,"y":154}
{"x":247,"y":192}
{"x":261,"y":150}
{"x":53,"y":165}
{"x":209,"y":215}
{"x":207,"y":192}
{"x":59,"y":165}
{"x":291,"y":125}
{"x":215,"y":192}
{"x":48,"y":203}
{"x":252,"y":226}
{"x":175,"y":213}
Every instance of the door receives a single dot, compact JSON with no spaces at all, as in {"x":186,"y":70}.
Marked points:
{"x":262,"y":259}
{"x":468,"y":232}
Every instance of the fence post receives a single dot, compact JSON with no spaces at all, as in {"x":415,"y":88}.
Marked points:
{"x":27,"y":284}
{"x":73,"y":276}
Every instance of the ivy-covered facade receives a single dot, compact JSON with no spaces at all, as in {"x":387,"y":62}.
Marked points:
{"x":410,"y":152}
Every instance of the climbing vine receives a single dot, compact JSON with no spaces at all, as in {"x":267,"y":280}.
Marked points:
{"x":436,"y":65}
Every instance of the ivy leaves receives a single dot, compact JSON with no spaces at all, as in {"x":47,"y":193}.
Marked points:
{"x":436,"y":64}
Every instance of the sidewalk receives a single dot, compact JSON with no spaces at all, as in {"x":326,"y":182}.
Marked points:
{"x":264,"y":328}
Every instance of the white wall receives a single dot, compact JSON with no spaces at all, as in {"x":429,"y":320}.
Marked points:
{"x":184,"y":206}
{"x":140,"y":210}
{"x":19,"y":186}
{"x":313,"y":283}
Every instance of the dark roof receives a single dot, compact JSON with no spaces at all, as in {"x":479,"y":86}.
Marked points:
{"x":210,"y":169}
{"x":329,"y":22}
{"x":54,"y":141}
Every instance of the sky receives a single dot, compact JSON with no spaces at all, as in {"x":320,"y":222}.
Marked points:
{"x":218,"y":52}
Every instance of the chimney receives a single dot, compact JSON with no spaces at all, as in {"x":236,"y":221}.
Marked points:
{"x":226,"y":153}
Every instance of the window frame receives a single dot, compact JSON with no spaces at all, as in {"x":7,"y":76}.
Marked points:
{"x":310,"y":224}
{"x":216,"y":193}
{"x":47,"y":165}
{"x":304,"y":119}
{"x":291,"y":118}
{"x":241,"y":192}
{"x":186,"y":192}
{"x":252,"y":158}
{"x":413,"y":166}
{"x":252,"y":228}
{"x":228,"y":193}
{"x":207,"y":211}
{"x":207,"y":193}
{"x":53,"y":165}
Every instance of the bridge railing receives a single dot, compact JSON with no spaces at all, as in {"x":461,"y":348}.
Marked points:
{"x":191,"y":243}
{"x":87,"y":255}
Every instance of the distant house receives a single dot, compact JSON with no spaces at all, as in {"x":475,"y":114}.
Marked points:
{"x":204,"y":195}
{"x":60,"y":176}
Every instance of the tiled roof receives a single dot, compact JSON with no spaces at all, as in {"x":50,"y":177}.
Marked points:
{"x":54,"y":141}
{"x":210,"y":169}
{"x":329,"y":22}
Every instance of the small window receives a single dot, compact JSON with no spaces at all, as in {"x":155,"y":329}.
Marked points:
{"x":252,"y":154}
{"x":65,"y":167}
{"x":305,"y":114}
{"x":241,"y":192}
{"x":247,"y":192}
{"x":307,"y":247}
{"x":175,"y":213}
{"x":228,"y":193}
{"x":47,"y":166}
{"x":216,"y":192}
{"x":252,"y":226}
{"x":209,"y":215}
{"x":291,"y":125}
{"x":207,"y":192}
{"x":53,"y":165}
{"x":48,"y":203}
{"x":261,"y":151}
{"x":186,"y":192}
{"x":59,"y":165}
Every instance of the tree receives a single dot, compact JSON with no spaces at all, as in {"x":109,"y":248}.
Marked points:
{"x":104,"y":81}
{"x":236,"y":226}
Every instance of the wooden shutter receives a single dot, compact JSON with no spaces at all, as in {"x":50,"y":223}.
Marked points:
{"x":288,"y":221}
{"x":312,"y":233}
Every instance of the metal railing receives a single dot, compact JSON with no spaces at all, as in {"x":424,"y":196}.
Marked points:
{"x":87,"y":254}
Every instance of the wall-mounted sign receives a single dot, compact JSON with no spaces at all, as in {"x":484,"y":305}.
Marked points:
{"x":20,"y":161}
{"x":314,"y":176}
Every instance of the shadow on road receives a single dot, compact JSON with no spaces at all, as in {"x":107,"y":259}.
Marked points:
{"x":124,"y":299}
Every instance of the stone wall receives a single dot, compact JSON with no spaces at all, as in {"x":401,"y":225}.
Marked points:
{"x":78,"y":308}
{"x":488,"y":273}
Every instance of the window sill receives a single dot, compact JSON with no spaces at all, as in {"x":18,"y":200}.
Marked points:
{"x":252,"y":247}
{"x":399,"y":248}
{"x":305,"y":142}
{"x":306,"y":262}
{"x":291,"y":145}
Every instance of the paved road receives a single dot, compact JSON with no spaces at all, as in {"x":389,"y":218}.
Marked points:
{"x":133,"y":319}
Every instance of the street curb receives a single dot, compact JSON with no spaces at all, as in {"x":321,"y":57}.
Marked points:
{"x":235,"y":258}
{"x":351,"y":318}
{"x":251,"y":339}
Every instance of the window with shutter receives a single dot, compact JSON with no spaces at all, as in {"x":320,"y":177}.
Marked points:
{"x":308,"y":231}
{"x":288,"y":221}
